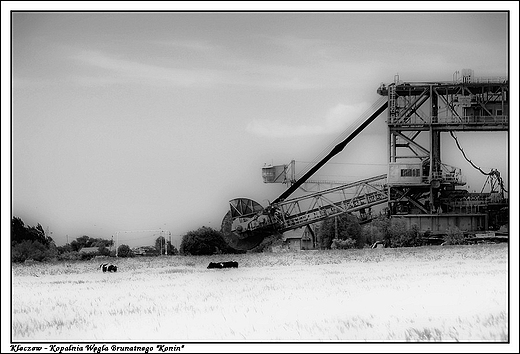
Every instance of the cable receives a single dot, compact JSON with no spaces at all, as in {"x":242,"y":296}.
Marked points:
{"x":493,"y":172}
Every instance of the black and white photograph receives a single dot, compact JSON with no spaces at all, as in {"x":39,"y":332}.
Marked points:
{"x":258,"y":177}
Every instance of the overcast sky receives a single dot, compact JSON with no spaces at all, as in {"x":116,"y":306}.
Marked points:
{"x":134,"y":121}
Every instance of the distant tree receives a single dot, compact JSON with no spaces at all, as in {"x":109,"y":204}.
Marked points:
{"x":380,"y":230}
{"x":21,"y":232}
{"x":83,"y":241}
{"x":29,"y":242}
{"x":396,"y":232}
{"x":86,"y":241}
{"x":64,"y":249}
{"x":372,"y":233}
{"x":75,"y":246}
{"x":124,"y":251}
{"x":100,"y":242}
{"x":172,"y":250}
{"x":18,"y":230}
{"x":204,"y":241}
{"x":342,"y":227}
{"x":160,"y":245}
{"x":103,"y":251}
{"x":413,"y":236}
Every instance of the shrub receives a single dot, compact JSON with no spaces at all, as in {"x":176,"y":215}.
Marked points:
{"x":69,"y":256}
{"x":341,"y":227}
{"x":454,"y":236}
{"x":27,"y":249}
{"x":204,"y":241}
{"x":343,"y":244}
{"x":103,"y":251}
{"x":124,"y":251}
{"x":64,"y":249}
{"x":401,"y":236}
{"x":87,"y":256}
{"x":172,"y":250}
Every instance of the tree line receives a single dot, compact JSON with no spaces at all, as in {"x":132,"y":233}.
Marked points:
{"x":341,"y":232}
{"x":31,"y":243}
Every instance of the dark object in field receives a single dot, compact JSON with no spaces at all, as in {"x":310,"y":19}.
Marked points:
{"x":108,"y":267}
{"x":231,"y":264}
{"x":378,"y":244}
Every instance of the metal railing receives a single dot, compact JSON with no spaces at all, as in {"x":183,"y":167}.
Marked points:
{"x":454,"y":120}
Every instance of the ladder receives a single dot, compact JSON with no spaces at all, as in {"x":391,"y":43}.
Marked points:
{"x":392,"y":99}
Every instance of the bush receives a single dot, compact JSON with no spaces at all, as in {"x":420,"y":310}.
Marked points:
{"x":376,"y":230}
{"x":87,"y":256}
{"x":401,"y":236}
{"x":204,"y":241}
{"x":343,"y":244}
{"x":124,"y":251}
{"x":454,"y":236}
{"x":20,"y":252}
{"x":69,"y":256}
{"x":172,"y":250}
{"x":103,"y":251}
{"x":344,"y":226}
{"x":64,"y":249}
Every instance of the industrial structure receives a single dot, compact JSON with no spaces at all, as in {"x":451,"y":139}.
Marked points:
{"x":418,"y":187}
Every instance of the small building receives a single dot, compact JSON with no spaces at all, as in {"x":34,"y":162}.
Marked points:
{"x":145,"y":251}
{"x":299,"y":239}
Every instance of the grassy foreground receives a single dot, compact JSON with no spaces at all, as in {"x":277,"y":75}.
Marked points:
{"x":453,"y":293}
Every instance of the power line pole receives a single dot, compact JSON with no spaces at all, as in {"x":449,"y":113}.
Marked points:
{"x":162,"y":241}
{"x":117,"y":241}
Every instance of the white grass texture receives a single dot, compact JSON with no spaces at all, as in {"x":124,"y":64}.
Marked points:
{"x":423,"y":294}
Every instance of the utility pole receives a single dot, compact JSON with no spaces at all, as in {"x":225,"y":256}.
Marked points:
{"x":336,"y":227}
{"x":117,"y":241}
{"x":162,"y":242}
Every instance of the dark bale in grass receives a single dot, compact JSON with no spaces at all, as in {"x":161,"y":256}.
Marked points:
{"x":108,"y":268}
{"x":231,"y":264}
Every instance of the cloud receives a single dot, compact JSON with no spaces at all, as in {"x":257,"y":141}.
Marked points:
{"x":199,"y":46}
{"x":336,"y":119}
{"x":119,"y":69}
{"x":225,"y":71}
{"x":197,"y":63}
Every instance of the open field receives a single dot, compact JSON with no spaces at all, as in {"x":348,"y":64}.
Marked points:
{"x":453,"y":293}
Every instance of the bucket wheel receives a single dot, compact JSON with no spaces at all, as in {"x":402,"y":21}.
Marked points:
{"x":242,"y":225}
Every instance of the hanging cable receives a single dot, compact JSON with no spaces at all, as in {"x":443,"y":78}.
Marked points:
{"x":493,"y":172}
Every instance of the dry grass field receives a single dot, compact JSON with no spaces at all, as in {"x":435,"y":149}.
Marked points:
{"x":454,"y":293}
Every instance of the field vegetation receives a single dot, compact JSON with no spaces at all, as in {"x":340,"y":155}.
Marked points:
{"x":415,"y":294}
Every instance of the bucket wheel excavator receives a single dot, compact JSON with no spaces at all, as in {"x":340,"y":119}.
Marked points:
{"x":418,"y":188}
{"x":247,"y":223}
